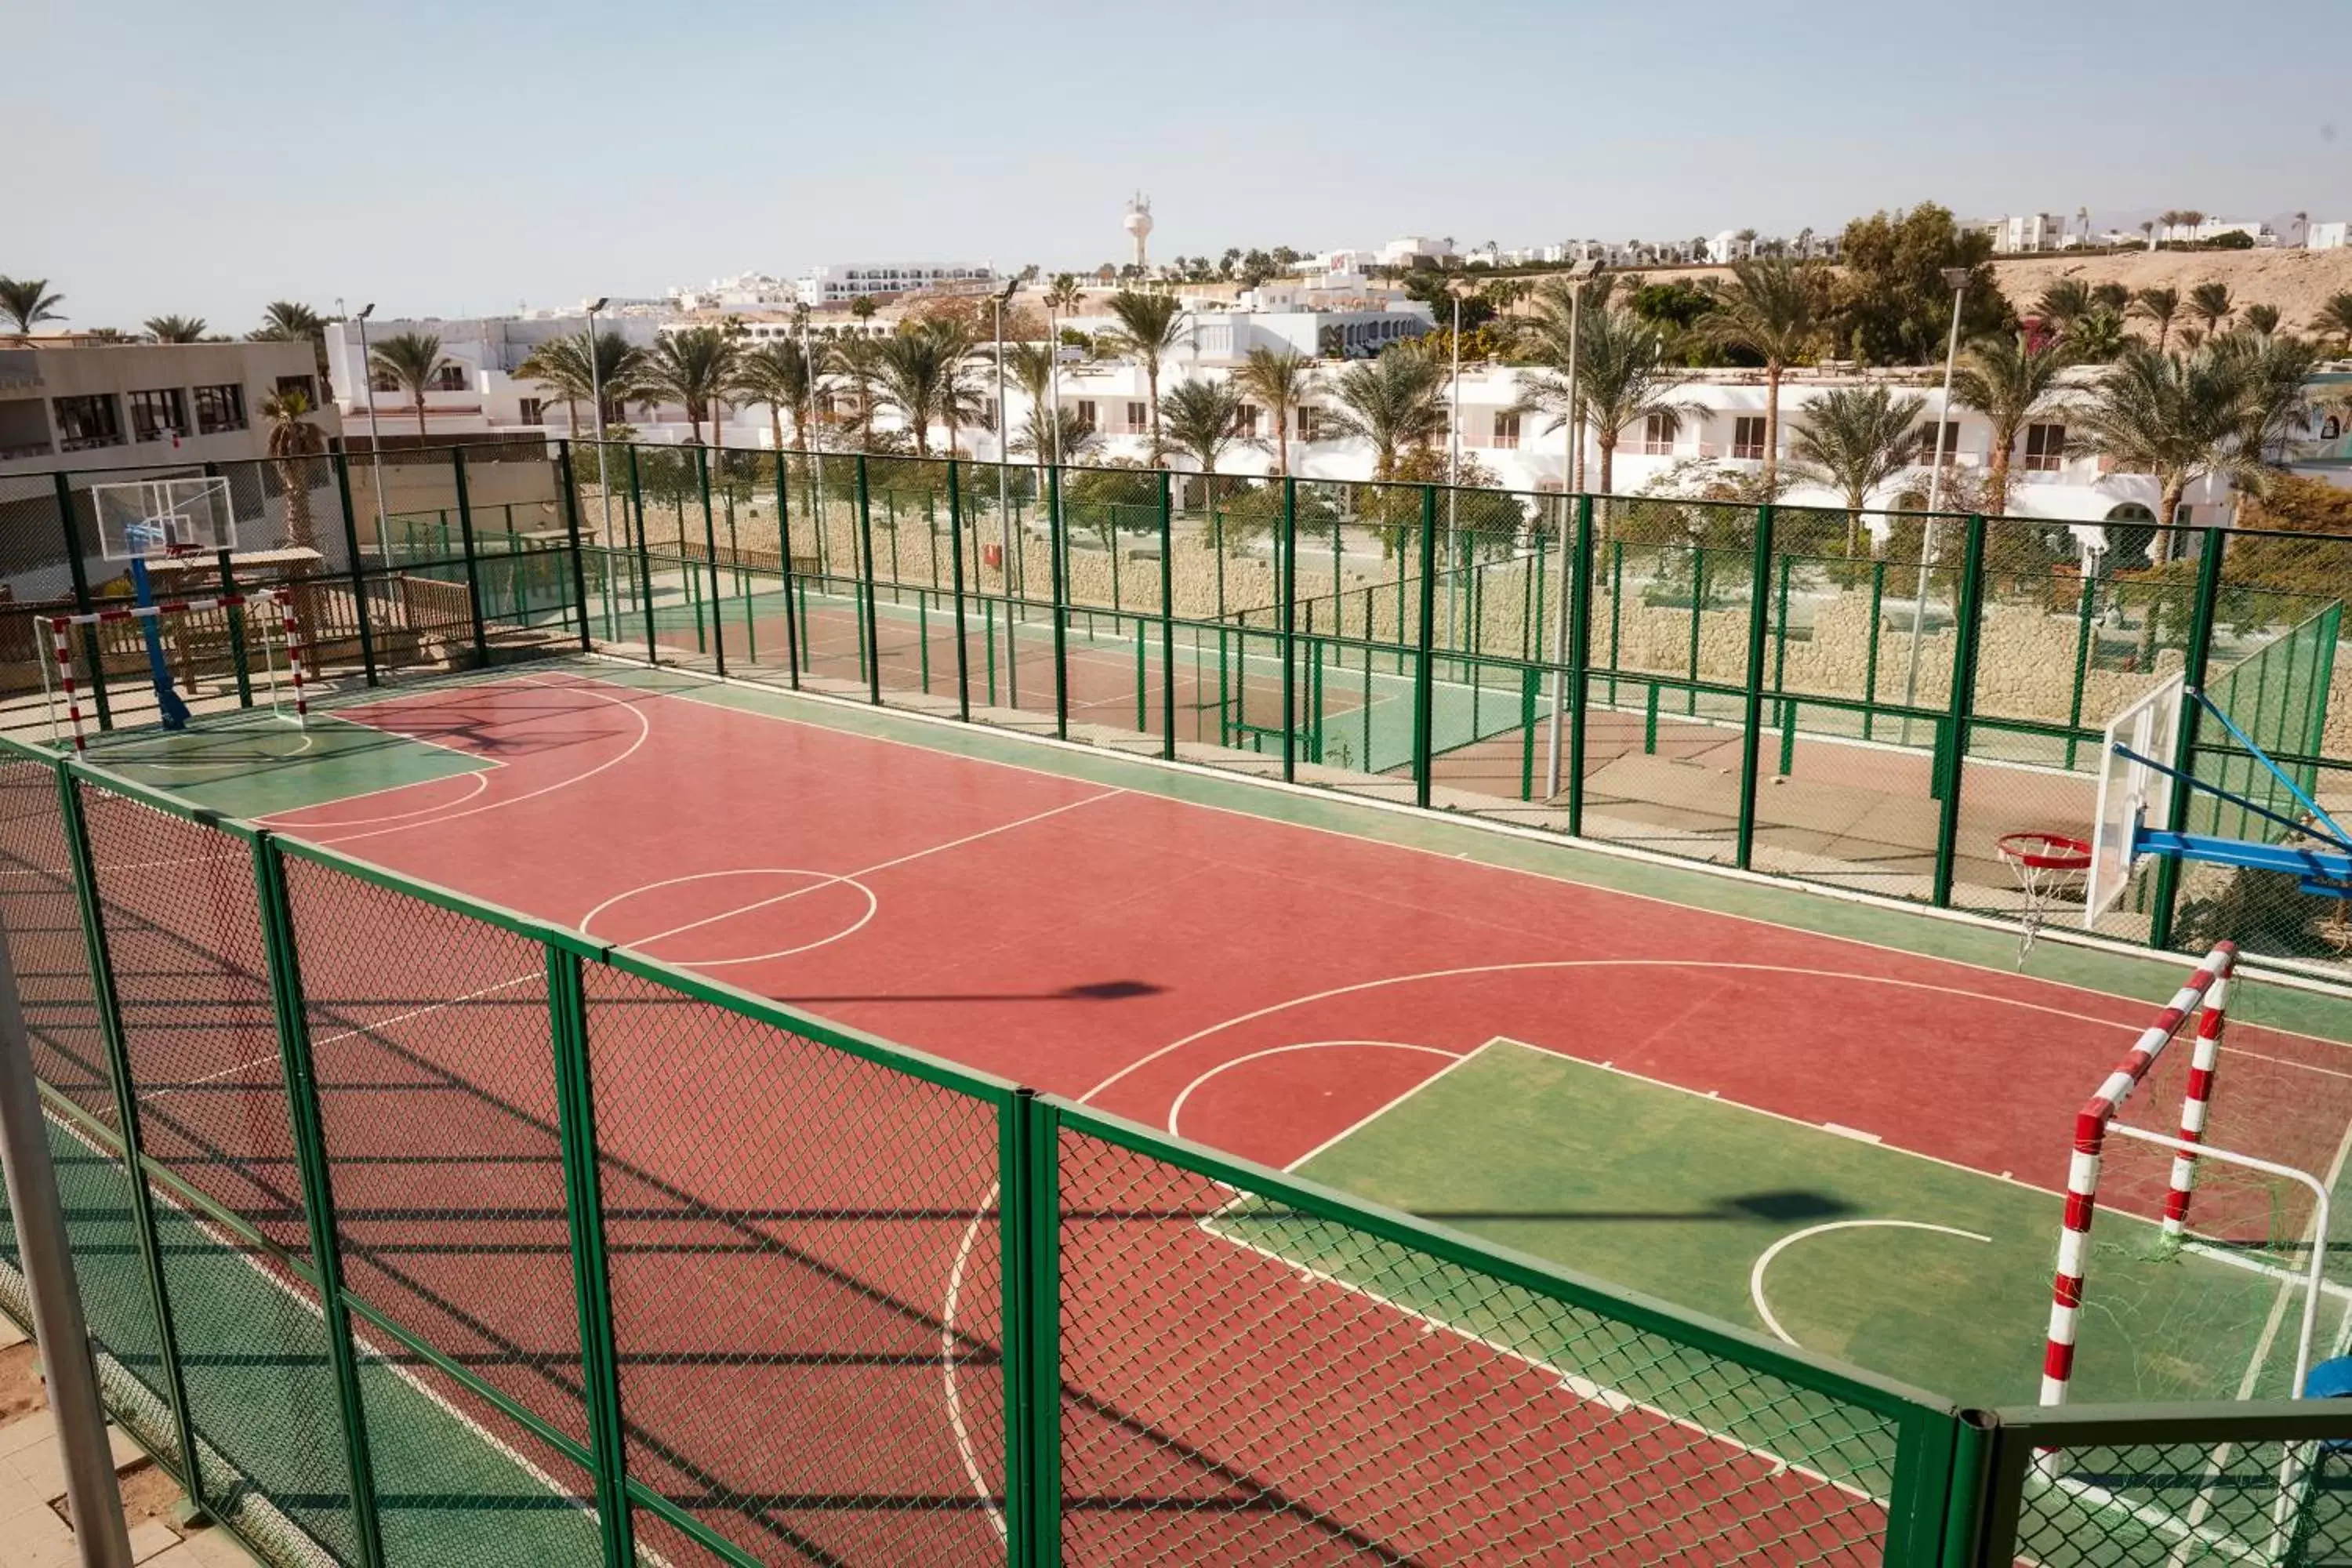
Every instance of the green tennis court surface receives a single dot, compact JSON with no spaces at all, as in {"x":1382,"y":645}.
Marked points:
{"x":1832,"y":1241}
{"x":250,"y":764}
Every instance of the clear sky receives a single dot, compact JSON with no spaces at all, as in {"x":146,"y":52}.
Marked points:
{"x":453,"y":156}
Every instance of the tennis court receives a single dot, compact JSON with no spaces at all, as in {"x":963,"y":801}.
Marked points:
{"x":1824,"y":1136}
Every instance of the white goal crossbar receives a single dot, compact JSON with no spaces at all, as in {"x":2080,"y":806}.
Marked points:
{"x":288,"y":626}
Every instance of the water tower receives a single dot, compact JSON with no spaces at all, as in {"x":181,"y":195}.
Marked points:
{"x":1139,"y":228}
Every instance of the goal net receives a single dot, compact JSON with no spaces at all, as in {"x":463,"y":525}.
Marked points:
{"x":226,"y":652}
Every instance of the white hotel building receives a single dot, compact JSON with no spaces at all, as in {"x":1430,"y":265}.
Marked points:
{"x":839,"y":283}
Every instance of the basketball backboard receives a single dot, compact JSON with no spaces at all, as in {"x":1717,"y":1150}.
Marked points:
{"x":139,"y":520}
{"x":2131,"y":794}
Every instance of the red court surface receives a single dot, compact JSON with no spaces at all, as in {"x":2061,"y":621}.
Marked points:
{"x":1256,"y":985}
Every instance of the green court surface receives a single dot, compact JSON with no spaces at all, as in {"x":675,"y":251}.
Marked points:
{"x":1835,"y":1243}
{"x":261,"y":1390}
{"x":252,"y":764}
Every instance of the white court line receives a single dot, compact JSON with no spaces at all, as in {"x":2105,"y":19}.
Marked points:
{"x":1764,"y":1259}
{"x":644,"y":942}
{"x":480,"y":778}
{"x":1366,"y":1120}
{"x":818,"y":882}
{"x":1176,"y":1107}
{"x":587,"y":688}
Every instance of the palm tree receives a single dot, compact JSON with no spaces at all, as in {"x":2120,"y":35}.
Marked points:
{"x":2274,"y":372}
{"x":2178,"y":416}
{"x":1204,"y":419}
{"x":2096,"y":337}
{"x":1031,"y":367}
{"x":560,"y":363}
{"x":2082,"y":217}
{"x":1395,"y":403}
{"x":1065,"y":296}
{"x":922,"y":373}
{"x":2210,"y":302}
{"x":693,"y":367}
{"x":1149,"y":327}
{"x":1773,"y":308}
{"x":27,"y":303}
{"x":290,"y":321}
{"x":2262,"y":318}
{"x":2148,"y":229}
{"x":2335,"y":319}
{"x":2009,"y":381}
{"x":863,"y":308}
{"x":1280,"y":379}
{"x":2063,"y":303}
{"x":410,"y":360}
{"x":1854,"y":439}
{"x":854,"y":360}
{"x":175,"y":329}
{"x":2111,"y":296}
{"x":2159,"y":306}
{"x":1076,"y":441}
{"x":293,"y":441}
{"x":2302,"y":222}
{"x":780,"y":374}
{"x":1622,"y":376}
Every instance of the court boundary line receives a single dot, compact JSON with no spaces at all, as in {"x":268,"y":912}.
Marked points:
{"x":1373,"y":1115}
{"x":1176,"y":1106}
{"x":2091,"y":941}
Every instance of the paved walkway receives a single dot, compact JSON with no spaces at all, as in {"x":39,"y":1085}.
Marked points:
{"x":32,"y":1530}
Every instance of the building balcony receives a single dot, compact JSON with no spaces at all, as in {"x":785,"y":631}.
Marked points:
{"x":27,"y":449}
{"x":92,"y":443}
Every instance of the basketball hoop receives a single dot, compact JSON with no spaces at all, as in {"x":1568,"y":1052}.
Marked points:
{"x":2049,"y":867}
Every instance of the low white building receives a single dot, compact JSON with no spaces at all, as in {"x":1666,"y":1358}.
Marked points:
{"x":475,"y":389}
{"x":68,"y":402}
{"x":1412,"y":250}
{"x":2328,"y":236}
{"x":2027,"y":234}
{"x":838,"y":283}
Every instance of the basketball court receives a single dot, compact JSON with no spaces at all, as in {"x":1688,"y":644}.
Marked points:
{"x":1821,"y":1122}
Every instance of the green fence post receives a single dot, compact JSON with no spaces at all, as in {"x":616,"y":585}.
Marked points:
{"x":233,"y":616}
{"x":1780,"y":637}
{"x":473,"y":565}
{"x":1870,"y":654}
{"x":1699,"y":596}
{"x":955,"y":553}
{"x":1580,"y":658}
{"x":359,"y":576}
{"x":710,"y":563}
{"x":2085,"y":608}
{"x":1167,"y":617}
{"x":644,"y":557}
{"x":1285,"y":568}
{"x":572,"y":537}
{"x":1751,"y":733}
{"x":117,"y":1045}
{"x":91,"y":648}
{"x":1054,"y":538}
{"x":1616,"y":610}
{"x":317,"y":1179}
{"x":2212,"y":543}
{"x":567,"y":1005}
{"x":1029,"y":1234}
{"x":1967,"y":1492}
{"x":1424,"y":677}
{"x":784,"y":550}
{"x":873,"y":628}
{"x":1967,"y":636}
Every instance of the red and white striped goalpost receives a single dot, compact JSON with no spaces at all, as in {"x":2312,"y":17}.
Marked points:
{"x":2205,"y":993}
{"x":290,"y":627}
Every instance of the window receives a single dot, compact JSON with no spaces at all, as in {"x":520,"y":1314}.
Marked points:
{"x":157,"y":414}
{"x":1088,"y":414}
{"x":988,"y":412}
{"x":220,"y":408}
{"x":449,"y":378}
{"x":1307,"y":427}
{"x":86,"y":421}
{"x":307,"y":386}
{"x":1746,"y":436}
{"x":531,"y":409}
{"x":1138,"y":419}
{"x":1658,"y":434}
{"x":384,"y":381}
{"x":1246,"y":421}
{"x":1951,"y":428}
{"x":1507,"y":429}
{"x":2045,"y":447}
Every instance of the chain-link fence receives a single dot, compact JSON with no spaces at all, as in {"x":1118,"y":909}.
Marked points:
{"x":437,"y":1234}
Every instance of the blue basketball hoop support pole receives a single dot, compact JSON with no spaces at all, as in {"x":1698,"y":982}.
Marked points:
{"x":167,"y":701}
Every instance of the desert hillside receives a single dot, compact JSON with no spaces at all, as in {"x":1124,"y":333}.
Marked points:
{"x":2296,"y":281}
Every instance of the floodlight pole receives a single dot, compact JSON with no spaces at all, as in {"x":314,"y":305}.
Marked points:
{"x":596,"y":392}
{"x":1956,"y":279}
{"x":375,"y":441}
{"x":1004,"y":502}
{"x":1572,"y":422}
{"x":1454,"y":465}
{"x":816,"y":460}
{"x":57,"y":1322}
